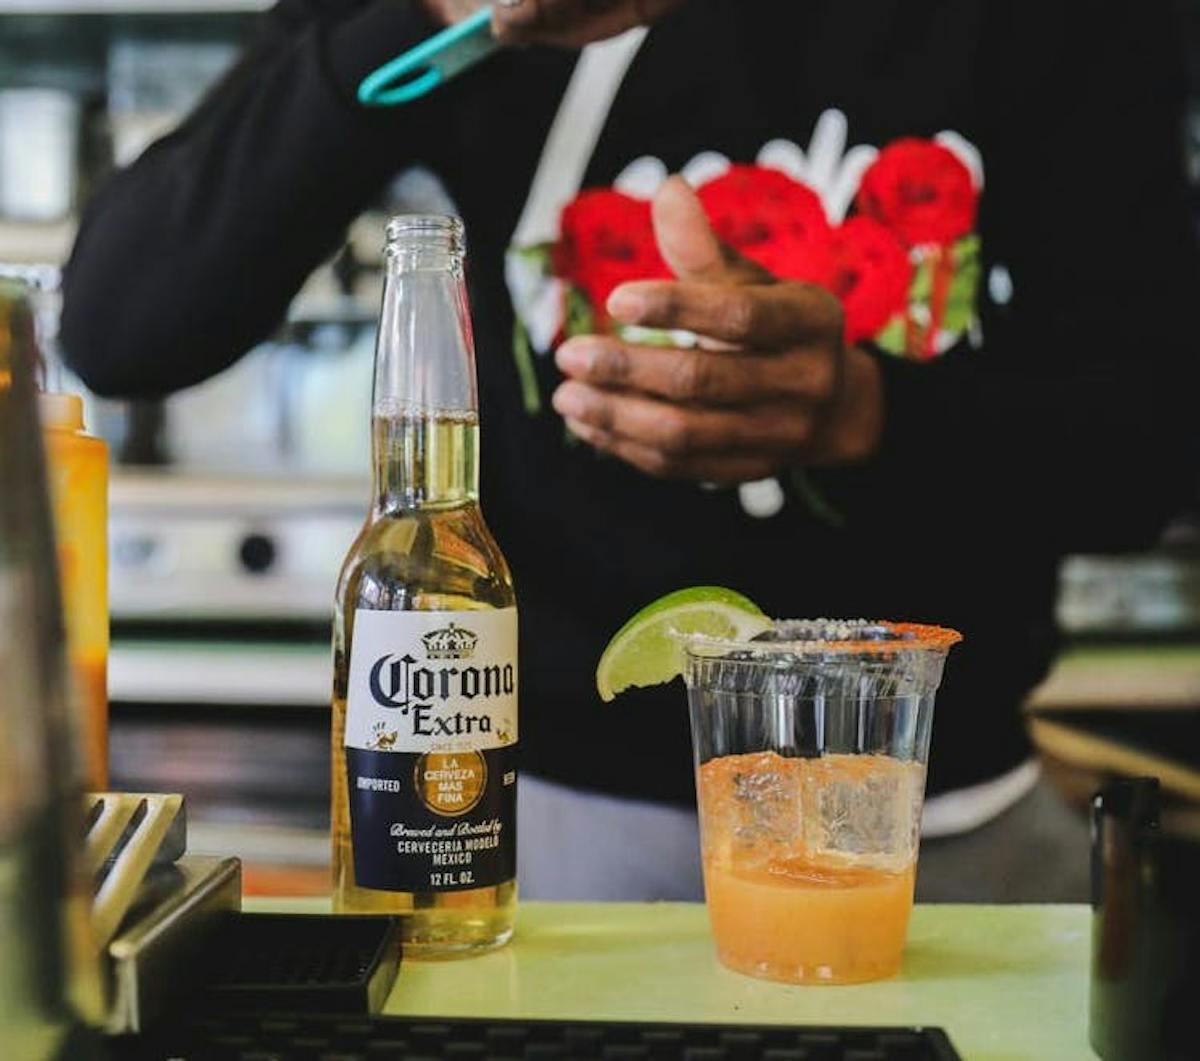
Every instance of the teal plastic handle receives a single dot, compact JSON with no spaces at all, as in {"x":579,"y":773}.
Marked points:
{"x":421,"y":69}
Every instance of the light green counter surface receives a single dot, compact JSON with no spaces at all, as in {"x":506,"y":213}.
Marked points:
{"x":1008,"y":983}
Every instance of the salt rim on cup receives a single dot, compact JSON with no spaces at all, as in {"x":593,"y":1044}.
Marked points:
{"x":805,"y":636}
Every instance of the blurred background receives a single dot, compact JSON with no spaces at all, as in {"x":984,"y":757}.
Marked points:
{"x":233,"y":503}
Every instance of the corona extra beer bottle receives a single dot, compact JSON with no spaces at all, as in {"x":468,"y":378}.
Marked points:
{"x":425,"y":634}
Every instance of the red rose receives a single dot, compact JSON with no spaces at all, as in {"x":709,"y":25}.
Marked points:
{"x":606,"y":239}
{"x":921,"y":191}
{"x":771,"y":219}
{"x":872,"y":274}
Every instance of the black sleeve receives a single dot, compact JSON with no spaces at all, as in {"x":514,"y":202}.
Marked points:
{"x":1073,"y":426}
{"x":189,"y":256}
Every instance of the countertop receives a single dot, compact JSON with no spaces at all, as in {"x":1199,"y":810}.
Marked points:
{"x":1007,"y":983}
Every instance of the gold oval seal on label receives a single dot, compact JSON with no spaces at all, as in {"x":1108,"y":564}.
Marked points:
{"x":450,"y":783}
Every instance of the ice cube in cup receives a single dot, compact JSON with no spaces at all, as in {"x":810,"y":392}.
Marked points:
{"x":811,"y":742}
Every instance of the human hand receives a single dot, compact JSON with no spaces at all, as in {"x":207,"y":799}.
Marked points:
{"x":771,"y":386}
{"x":566,"y":23}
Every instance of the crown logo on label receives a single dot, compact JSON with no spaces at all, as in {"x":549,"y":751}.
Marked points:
{"x":450,"y":642}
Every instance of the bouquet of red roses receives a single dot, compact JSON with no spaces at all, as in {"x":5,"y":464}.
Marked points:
{"x":904,"y":263}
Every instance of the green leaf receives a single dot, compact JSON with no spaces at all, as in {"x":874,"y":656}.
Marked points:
{"x":969,"y":247}
{"x":537,"y":252}
{"x":922,"y":282}
{"x":531,"y":397}
{"x":815,"y":500}
{"x":964,"y":287}
{"x":893,"y":337}
{"x":646,"y":336}
{"x":580,"y":318}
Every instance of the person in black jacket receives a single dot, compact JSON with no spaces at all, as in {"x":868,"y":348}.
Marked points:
{"x":940,"y":260}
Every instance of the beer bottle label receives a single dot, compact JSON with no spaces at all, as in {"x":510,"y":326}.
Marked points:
{"x":431,"y":740}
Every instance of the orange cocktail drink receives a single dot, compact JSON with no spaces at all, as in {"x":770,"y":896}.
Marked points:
{"x":811,"y":749}
{"x":781,"y":911}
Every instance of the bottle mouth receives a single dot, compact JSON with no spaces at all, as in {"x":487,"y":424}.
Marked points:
{"x":61,"y":412}
{"x":426,"y":231}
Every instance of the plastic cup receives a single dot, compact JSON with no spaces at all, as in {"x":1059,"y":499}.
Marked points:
{"x":811,"y":742}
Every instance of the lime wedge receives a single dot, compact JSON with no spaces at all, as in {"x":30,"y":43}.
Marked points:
{"x":645,"y":652}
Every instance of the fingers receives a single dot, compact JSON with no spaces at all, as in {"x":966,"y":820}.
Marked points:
{"x":513,"y":20}
{"x":723,"y":469}
{"x":567,"y":23}
{"x":681,"y":433}
{"x":573,"y":23}
{"x":652,"y":10}
{"x":698,"y":376}
{"x":760,"y":316}
{"x":688,"y":244}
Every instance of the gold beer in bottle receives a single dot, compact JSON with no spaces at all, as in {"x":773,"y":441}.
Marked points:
{"x":425,"y":634}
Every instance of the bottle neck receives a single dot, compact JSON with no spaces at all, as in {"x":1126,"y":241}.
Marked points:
{"x":425,"y":435}
{"x":425,"y":461}
{"x":61,"y":412}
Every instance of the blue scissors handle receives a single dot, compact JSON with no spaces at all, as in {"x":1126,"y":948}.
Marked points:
{"x":421,"y":69}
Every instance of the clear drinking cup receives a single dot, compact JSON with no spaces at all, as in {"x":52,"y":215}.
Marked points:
{"x":811,"y":742}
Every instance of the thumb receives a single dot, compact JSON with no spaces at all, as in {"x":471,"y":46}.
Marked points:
{"x":687,"y":242}
{"x":685,"y":238}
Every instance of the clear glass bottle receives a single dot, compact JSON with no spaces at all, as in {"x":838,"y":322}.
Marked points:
{"x":425,"y":634}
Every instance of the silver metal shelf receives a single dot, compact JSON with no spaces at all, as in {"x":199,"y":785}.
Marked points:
{"x":130,"y":7}
{"x":223,"y":673}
